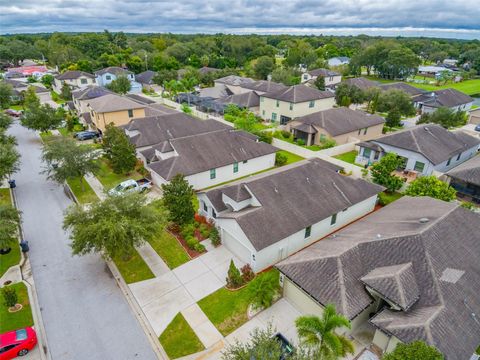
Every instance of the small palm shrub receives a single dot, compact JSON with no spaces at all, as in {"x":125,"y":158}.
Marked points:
{"x":263,"y":290}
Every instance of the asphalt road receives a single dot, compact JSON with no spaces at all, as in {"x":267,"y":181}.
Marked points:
{"x":84,"y":313}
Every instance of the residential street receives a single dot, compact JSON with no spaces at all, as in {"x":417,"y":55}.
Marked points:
{"x":84,"y":313}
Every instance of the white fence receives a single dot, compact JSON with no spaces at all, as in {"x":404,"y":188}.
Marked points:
{"x":339,"y":149}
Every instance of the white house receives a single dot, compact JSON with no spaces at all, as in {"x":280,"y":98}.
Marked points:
{"x":450,"y":98}
{"x":332,"y":78}
{"x":106,"y":76}
{"x":423,"y":148}
{"x":338,"y":61}
{"x":74,"y":79}
{"x":266,"y":218}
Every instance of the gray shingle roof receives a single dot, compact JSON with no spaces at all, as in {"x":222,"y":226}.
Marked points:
{"x":298,"y":94}
{"x":244,"y":100}
{"x":202,"y":152}
{"x":206,"y":70}
{"x":432,"y":141}
{"x":140,"y":99}
{"x":74,"y":74}
{"x":469,"y":171}
{"x":145,"y":77}
{"x":445,"y":97}
{"x":264,"y":86}
{"x":90,"y":92}
{"x":409,"y":89}
{"x":113,"y":102}
{"x":341,"y":120}
{"x":331,"y":271}
{"x":234,"y":80}
{"x":113,"y":70}
{"x":216,"y":92}
{"x":323,"y":72}
{"x":361,"y":82}
{"x":293,"y":199}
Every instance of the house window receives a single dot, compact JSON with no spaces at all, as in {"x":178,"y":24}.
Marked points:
{"x":213,"y":174}
{"x":311,"y":104}
{"x":278,"y":103}
{"x":359,"y":131}
{"x":333,"y":221}
{"x":235,"y":167}
{"x":253,"y":257}
{"x":449,"y":161}
{"x":308,"y":231}
{"x":274,"y":116}
{"x":365,"y":131}
{"x":83,"y":81}
{"x":214,"y":214}
{"x":108,"y":77}
{"x":305,"y":77}
{"x":419,"y":166}
{"x":130,"y":113}
{"x":291,"y":106}
{"x":245,"y":161}
{"x":367,"y":152}
{"x":458,"y":157}
{"x":205,"y":207}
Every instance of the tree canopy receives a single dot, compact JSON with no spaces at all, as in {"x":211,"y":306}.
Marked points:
{"x":414,"y":351}
{"x":42,"y":118}
{"x":383,"y":169}
{"x":121,"y":85}
{"x":444,"y":116}
{"x":431,"y":186}
{"x":177,"y":198}
{"x":119,"y":150}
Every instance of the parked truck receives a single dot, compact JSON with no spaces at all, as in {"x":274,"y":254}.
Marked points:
{"x":131,"y":185}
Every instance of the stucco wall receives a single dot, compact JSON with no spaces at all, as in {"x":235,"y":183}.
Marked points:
{"x":73,"y":83}
{"x":269,"y":106}
{"x":101,"y":120}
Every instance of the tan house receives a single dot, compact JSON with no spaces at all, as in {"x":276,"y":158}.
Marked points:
{"x":74,"y":79}
{"x":340,"y":124}
{"x":474,"y":116}
{"x":331,"y":77}
{"x":112,"y":108}
{"x":295,"y":101}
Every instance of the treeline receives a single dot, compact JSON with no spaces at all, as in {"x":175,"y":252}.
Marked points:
{"x":254,"y":55}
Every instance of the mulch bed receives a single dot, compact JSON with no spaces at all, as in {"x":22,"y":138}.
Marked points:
{"x":192,"y":253}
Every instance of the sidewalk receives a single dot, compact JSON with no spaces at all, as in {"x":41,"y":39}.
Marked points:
{"x":96,"y":186}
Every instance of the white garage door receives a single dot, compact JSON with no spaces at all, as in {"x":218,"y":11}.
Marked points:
{"x":237,"y":248}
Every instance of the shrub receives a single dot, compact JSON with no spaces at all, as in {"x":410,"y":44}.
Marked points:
{"x":199,"y":247}
{"x":187,"y":230}
{"x":264,"y":290}
{"x":285,"y":133}
{"x":300,"y":142}
{"x":10,"y":297}
{"x":204,"y":230}
{"x":200,"y":219}
{"x":280,"y":159}
{"x":234,"y":279}
{"x":215,"y":236}
{"x":174,"y":227}
{"x":467,"y":205}
{"x":191,"y":242}
{"x":265,"y":136}
{"x":247,"y":273}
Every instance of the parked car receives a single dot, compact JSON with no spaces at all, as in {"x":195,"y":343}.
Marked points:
{"x":17,"y":343}
{"x":287,"y":348}
{"x":86,"y":135}
{"x":13,"y":113}
{"x":129,"y":186}
{"x":477,"y":128}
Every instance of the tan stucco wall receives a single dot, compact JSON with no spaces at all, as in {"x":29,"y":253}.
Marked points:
{"x":101,"y":120}
{"x":385,"y":342}
{"x":474,"y":117}
{"x":269,"y":106}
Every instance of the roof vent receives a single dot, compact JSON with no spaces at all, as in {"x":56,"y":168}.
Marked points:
{"x":275,"y":189}
{"x":379,"y":236}
{"x":308,"y":180}
{"x":424,"y":220}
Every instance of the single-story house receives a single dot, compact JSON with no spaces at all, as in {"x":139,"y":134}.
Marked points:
{"x":338,"y":61}
{"x":146,"y":80}
{"x":233,"y":83}
{"x":248,"y":100}
{"x":412,"y":91}
{"x":465,"y":178}
{"x":294,"y":101}
{"x":19,"y":87}
{"x":450,"y":98}
{"x":361,"y":83}
{"x":210,"y":159}
{"x":37,"y":71}
{"x":474,"y":116}
{"x":331,"y":77}
{"x":340,"y":124}
{"x":423,"y":148}
{"x":432,"y":70}
{"x":264,"y":86}
{"x":74,"y":79}
{"x":219,"y":91}
{"x":268,"y":217}
{"x":105,"y":76}
{"x":409,"y":269}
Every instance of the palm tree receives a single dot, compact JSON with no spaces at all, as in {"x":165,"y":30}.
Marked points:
{"x":318,"y":334}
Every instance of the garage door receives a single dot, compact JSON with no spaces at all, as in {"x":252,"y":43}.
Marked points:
{"x":237,"y":248}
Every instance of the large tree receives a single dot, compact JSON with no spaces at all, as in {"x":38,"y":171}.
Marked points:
{"x":444,"y":116}
{"x":347,"y":94}
{"x":9,"y":159}
{"x":113,"y":227}
{"x":396,"y":103}
{"x":6,"y":93}
{"x":42,"y":118}
{"x":383,"y":169}
{"x":9,"y":223}
{"x":318,"y":334}
{"x":119,"y":150}
{"x":177,"y":198}
{"x":414,"y":351}
{"x":121,"y":85}
{"x":431,"y":186}
{"x":263,"y":67}
{"x":30,"y":99}
{"x":320,"y":83}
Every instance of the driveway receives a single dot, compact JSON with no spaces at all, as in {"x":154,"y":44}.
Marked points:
{"x":84,"y":313}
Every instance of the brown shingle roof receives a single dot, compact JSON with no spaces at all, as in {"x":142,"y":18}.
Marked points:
{"x":299,"y":93}
{"x":469,"y":171}
{"x":113,"y":102}
{"x":113,"y":70}
{"x":74,"y":74}
{"x":264,"y":86}
{"x":361,"y":83}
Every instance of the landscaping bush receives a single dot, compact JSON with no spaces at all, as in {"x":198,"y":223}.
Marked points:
{"x":247,"y":273}
{"x":204,"y":230}
{"x":301,"y":142}
{"x":327,"y":143}
{"x":264,"y":291}
{"x":280,"y":159}
{"x":199,"y":247}
{"x":187,"y":230}
{"x":215,"y":236}
{"x":200,"y":219}
{"x":285,"y":133}
{"x":234,"y":278}
{"x":265,"y":136}
{"x":191,"y":242}
{"x":10,"y":297}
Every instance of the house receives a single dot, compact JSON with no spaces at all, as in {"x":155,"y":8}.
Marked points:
{"x":211,"y":158}
{"x":249,"y":100}
{"x":423,"y":148}
{"x":465,"y":178}
{"x":268,"y":217}
{"x":431,"y":70}
{"x":106,"y":76}
{"x":361,"y":83}
{"x":409,"y":269}
{"x":19,"y":87}
{"x":450,"y":98}
{"x":146,"y":80}
{"x":264,"y":86}
{"x":340,"y":124}
{"x":338,"y":61}
{"x":331,"y":77}
{"x":81,"y":97}
{"x":36,"y":71}
{"x":474,"y":116}
{"x":113,"y":108}
{"x":412,"y":91}
{"x":294,"y":101}
{"x":233,"y":83}
{"x":74,"y":79}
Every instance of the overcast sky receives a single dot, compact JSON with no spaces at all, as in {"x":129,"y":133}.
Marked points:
{"x":446,"y":18}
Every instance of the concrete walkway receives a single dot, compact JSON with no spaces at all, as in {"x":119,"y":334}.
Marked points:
{"x":96,"y":186}
{"x":154,"y":262}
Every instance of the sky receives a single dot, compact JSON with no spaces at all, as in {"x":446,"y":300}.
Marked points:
{"x":434,"y":18}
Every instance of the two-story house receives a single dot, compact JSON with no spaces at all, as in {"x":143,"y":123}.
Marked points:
{"x":106,"y":76}
{"x":286,"y":104}
{"x":74,"y":79}
{"x":331,"y":77}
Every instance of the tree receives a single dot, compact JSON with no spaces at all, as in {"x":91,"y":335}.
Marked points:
{"x":320,"y":83}
{"x":396,"y":103}
{"x":9,"y":158}
{"x":9,"y":223}
{"x":234,"y":278}
{"x":30,"y":99}
{"x":414,"y":351}
{"x":431,"y":186}
{"x":121,"y":85}
{"x":119,"y":150}
{"x":66,"y":92}
{"x":264,"y":290}
{"x":445,"y":117}
{"x":177,"y":198}
{"x":5,"y":122}
{"x":286,"y":76}
{"x":263,"y":67}
{"x":113,"y":227}
{"x":164,"y":75}
{"x":247,"y":121}
{"x":10,"y":297}
{"x":42,"y":118}
{"x":47,"y":80}
{"x":382,"y":172}
{"x":65,"y":160}
{"x":319,"y":334}
{"x":6,"y":93}
{"x":346,"y":94}
{"x":280,"y":159}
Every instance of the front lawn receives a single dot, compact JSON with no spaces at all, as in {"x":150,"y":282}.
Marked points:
{"x":5,"y":198}
{"x":179,"y":339}
{"x":469,"y":87}
{"x":169,"y":249}
{"x":64,"y":131}
{"x":20,"y":319}
{"x":134,"y":269}
{"x":109,"y":179}
{"x":227,"y":310}
{"x":385,"y":198}
{"x":13,"y":257}
{"x":85,"y":196}
{"x":291,"y":157}
{"x":348,"y":157}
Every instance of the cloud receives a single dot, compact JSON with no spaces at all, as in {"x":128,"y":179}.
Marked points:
{"x":241,"y":16}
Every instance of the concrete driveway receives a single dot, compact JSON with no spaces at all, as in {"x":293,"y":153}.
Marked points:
{"x":84,"y":313}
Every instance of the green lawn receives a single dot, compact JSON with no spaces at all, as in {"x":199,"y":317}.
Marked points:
{"x":13,"y":257}
{"x":20,"y":319}
{"x":227,"y":310}
{"x":348,"y":157}
{"x":179,"y":339}
{"x":386,"y":198}
{"x":47,"y":135}
{"x":64,"y":132}
{"x":291,"y":158}
{"x":109,"y":179}
{"x":169,"y":249}
{"x":85,"y":196}
{"x":134,"y":269}
{"x":469,"y":87}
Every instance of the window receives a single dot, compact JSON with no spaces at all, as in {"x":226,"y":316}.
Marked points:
{"x":245,"y":161}
{"x":274,"y":116}
{"x":449,"y":161}
{"x":253,"y":257}
{"x":278,"y":103}
{"x":333,"y":221}
{"x":235,"y":167}
{"x":205,"y":207}
{"x":311,"y":104}
{"x":359,"y":131}
{"x":213,"y":174}
{"x":308,"y":231}
{"x":291,"y":106}
{"x":7,"y":348}
{"x":458,"y":157}
{"x":305,"y":77}
{"x":130,"y":113}
{"x":365,"y":131}
{"x":419,"y":166}
{"x":367,"y":152}
{"x":214,"y":214}
{"x":108,"y":77}
{"x":83,"y":81}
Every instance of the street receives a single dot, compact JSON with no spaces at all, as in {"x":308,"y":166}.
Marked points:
{"x":84,"y":312}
